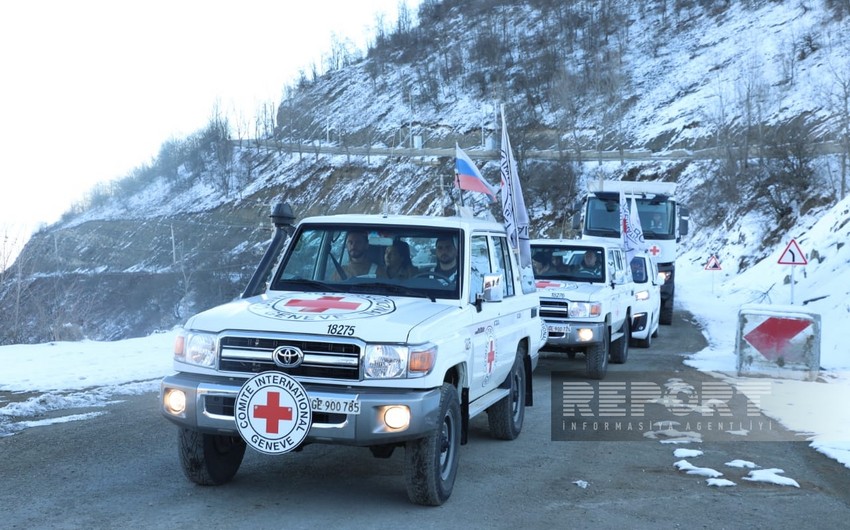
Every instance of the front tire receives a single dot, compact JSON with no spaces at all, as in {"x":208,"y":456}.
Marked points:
{"x":430,"y":464}
{"x":666,"y":317}
{"x":620,"y":351}
{"x":596,"y":357}
{"x":506,"y":417}
{"x":210,"y":459}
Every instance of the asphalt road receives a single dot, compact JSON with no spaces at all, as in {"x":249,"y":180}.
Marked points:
{"x":121,"y":470}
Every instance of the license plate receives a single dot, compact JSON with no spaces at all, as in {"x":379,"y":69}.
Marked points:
{"x":335,"y":406}
{"x":558,"y":329}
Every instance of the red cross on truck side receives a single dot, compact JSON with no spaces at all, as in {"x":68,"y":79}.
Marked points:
{"x":322,"y":304}
{"x":655,"y":250}
{"x":273,"y":413}
{"x":491,"y":355}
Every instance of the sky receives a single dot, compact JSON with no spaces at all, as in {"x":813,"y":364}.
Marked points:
{"x":93,"y":88}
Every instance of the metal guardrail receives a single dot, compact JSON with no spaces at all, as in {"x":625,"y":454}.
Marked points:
{"x":713,"y":153}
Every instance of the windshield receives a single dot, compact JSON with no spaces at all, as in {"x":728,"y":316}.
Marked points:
{"x":388,"y":260}
{"x":656,"y":218}
{"x":566,"y":262}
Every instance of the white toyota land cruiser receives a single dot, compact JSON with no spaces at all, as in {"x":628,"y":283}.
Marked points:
{"x":350,"y":345}
{"x":586,"y":297}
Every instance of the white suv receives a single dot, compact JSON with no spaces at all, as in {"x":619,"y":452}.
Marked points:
{"x":586,"y":299}
{"x":351,"y":345}
{"x":647,"y":308}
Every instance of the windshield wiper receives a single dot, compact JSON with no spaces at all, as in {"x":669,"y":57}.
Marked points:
{"x":380,"y":287}
{"x":312,"y":284}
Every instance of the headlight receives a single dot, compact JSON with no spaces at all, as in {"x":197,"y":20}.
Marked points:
{"x":196,"y":348}
{"x":390,"y":361}
{"x":585,"y":309}
{"x":641,"y":296}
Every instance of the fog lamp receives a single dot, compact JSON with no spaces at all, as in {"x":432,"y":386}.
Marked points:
{"x":585,"y":334}
{"x":397,"y":417}
{"x":175,"y":401}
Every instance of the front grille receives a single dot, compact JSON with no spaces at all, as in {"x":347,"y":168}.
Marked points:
{"x":224,"y":406}
{"x":327,"y":360}
{"x":557,"y":309}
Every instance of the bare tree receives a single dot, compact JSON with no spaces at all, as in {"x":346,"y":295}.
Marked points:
{"x":835,"y":92}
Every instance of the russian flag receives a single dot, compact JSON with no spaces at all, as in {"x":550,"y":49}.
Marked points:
{"x":468,"y":176}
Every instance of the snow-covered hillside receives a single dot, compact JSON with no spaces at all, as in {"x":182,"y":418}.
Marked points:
{"x":668,"y":79}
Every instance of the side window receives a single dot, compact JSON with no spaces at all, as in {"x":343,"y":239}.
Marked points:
{"x":613,"y":263}
{"x":479,"y":263}
{"x":639,"y":272}
{"x":503,"y":264}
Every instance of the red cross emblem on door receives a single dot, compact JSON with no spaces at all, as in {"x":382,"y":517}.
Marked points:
{"x":322,"y":304}
{"x":655,"y":250}
{"x":491,"y":354}
{"x":273,"y":413}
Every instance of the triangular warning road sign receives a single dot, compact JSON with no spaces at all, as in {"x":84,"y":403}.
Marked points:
{"x":713,"y":264}
{"x":792,"y":255}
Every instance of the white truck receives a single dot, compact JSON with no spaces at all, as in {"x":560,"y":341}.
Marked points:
{"x":586,"y":299}
{"x":664,"y":221}
{"x":340,"y":348}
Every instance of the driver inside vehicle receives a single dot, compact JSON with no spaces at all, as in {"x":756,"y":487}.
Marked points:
{"x":590,"y":264}
{"x":446,"y":253}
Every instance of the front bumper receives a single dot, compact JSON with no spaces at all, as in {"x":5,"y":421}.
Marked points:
{"x":210,"y":402}
{"x":572,"y":334}
{"x":640,"y":325}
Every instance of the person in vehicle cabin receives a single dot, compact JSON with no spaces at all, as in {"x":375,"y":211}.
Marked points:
{"x":655,"y":222}
{"x":446,"y":252}
{"x":359,"y":261}
{"x":590,"y":263}
{"x":541,"y":263}
{"x":397,"y":259}
{"x":638,"y":270}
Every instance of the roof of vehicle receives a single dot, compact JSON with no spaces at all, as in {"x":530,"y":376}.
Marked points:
{"x":666,"y":188}
{"x":467,"y":223}
{"x":582,"y":243}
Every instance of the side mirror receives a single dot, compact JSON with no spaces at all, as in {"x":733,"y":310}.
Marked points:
{"x":577,"y":221}
{"x":493,"y":290}
{"x":619,"y":277}
{"x":661,"y":278}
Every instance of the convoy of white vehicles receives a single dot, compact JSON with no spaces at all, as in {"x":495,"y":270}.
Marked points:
{"x":394,"y":331}
{"x":664,"y":221}
{"x":344,"y":348}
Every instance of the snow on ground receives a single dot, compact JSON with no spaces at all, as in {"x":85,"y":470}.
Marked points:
{"x":815,"y":408}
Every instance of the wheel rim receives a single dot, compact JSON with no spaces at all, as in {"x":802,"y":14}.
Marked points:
{"x":516,"y":396}
{"x":447,"y":433}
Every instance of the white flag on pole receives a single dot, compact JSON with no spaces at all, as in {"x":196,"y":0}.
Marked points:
{"x":631,"y":229}
{"x":513,"y":204}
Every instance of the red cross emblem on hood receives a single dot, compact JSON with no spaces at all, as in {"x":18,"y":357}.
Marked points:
{"x":322,"y":304}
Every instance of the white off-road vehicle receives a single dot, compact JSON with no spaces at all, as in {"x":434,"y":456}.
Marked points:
{"x":646,"y":315}
{"x":343,"y":348}
{"x":586,"y":298}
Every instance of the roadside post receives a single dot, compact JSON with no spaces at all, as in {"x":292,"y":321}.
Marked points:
{"x":792,"y":255}
{"x":713,"y":264}
{"x":778,"y":341}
